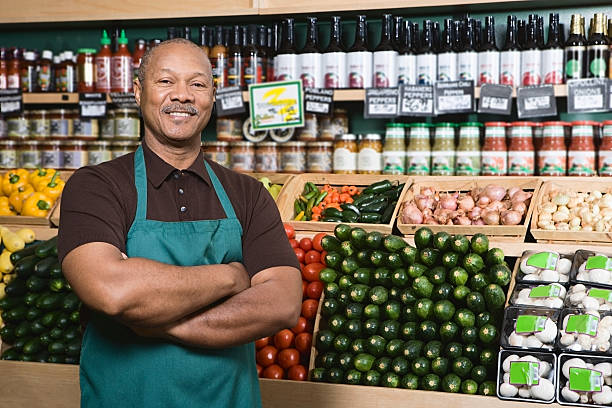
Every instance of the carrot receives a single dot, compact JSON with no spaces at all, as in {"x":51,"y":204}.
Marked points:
{"x":352,"y":190}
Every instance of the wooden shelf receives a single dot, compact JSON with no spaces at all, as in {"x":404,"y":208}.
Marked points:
{"x":50,"y":98}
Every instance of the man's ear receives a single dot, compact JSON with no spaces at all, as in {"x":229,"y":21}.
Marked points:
{"x":137,"y":91}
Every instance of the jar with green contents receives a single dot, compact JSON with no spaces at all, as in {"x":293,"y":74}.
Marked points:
{"x":468,"y":150}
{"x":394,"y":151}
{"x":19,"y":126}
{"x":107,"y":126}
{"x":40,"y":124}
{"x":98,"y":152}
{"x":127,"y":124}
{"x":418,"y":154}
{"x":443,"y":151}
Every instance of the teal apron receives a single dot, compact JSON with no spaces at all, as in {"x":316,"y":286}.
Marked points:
{"x":121,"y":369}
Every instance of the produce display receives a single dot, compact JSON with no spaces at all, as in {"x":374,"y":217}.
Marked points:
{"x":287,"y":353}
{"x":569,"y":210}
{"x":373,"y":204}
{"x":544,"y":267}
{"x":527,"y":376}
{"x":492,"y":205}
{"x":586,"y":331}
{"x":551,"y":296}
{"x":591,"y":267}
{"x":589,"y":298}
{"x":32,"y":193}
{"x":585,"y":380}
{"x":39,"y":310}
{"x":418,"y":318}
{"x":273,"y":189}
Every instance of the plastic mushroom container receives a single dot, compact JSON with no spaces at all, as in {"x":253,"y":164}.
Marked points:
{"x":526,"y":376}
{"x":592,"y":268}
{"x":587,"y":331}
{"x":544,"y":267}
{"x":549,"y":295}
{"x":584,"y":380}
{"x":529,"y":328}
{"x":586,"y":297}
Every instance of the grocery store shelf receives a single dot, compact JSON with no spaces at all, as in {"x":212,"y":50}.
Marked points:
{"x":50,"y":98}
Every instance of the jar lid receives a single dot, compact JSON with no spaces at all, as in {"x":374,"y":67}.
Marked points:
{"x":445,"y":124}
{"x":250,"y":135}
{"x":395,"y":125}
{"x":320,"y":144}
{"x":267,"y":144}
{"x":28,"y":143}
{"x":282,"y":135}
{"x":470,"y":124}
{"x":215,"y":144}
{"x":243,"y":144}
{"x":418,"y":125}
{"x":51,"y":142}
{"x":100,"y":143}
{"x":582,"y":123}
{"x":372,"y":136}
{"x":125,"y":143}
{"x":554,"y":123}
{"x":607,"y":122}
{"x":521,"y":123}
{"x":87,"y":51}
{"x":346,"y":136}
{"x":294,"y":144}
{"x":497,"y":124}
{"x":73,"y":142}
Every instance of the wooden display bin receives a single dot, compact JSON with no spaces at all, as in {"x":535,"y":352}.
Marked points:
{"x":582,"y":184}
{"x":275,"y":178}
{"x":292,"y":190}
{"x":465,"y":184}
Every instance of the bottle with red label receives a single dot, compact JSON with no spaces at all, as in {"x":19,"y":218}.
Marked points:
{"x":494,"y":150}
{"x":447,"y":57}
{"x":122,"y":75}
{"x":385,"y":57}
{"x":521,"y":154}
{"x":488,"y":56}
{"x":359,"y":58}
{"x":605,"y":150}
{"x":3,"y":69}
{"x":45,"y":72}
{"x":27,"y":72}
{"x":103,"y":65}
{"x":406,"y":60}
{"x":13,"y":64}
{"x":140,"y":47}
{"x":467,"y":58}
{"x":285,"y":63}
{"x":552,"y":55}
{"x":235,"y":76}
{"x":426,"y":60}
{"x":218,"y":59}
{"x":310,"y":63}
{"x":552,"y":155}
{"x":253,"y":58}
{"x":334,"y":58}
{"x":510,"y":56}
{"x":531,"y":56}
{"x":581,"y":154}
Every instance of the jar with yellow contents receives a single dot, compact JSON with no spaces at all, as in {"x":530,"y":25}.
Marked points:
{"x":369,"y":158}
{"x":345,"y":154}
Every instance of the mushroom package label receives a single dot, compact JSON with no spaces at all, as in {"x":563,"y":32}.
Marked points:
{"x":583,"y":379}
{"x":544,"y":260}
{"x":605,"y":294}
{"x":530,"y":324}
{"x":599,"y":262}
{"x":524,"y":373}
{"x":545,"y":291}
{"x":583,"y":324}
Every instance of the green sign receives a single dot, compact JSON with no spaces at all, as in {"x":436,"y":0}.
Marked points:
{"x":530,"y":324}
{"x":275,"y":105}
{"x":583,"y":379}
{"x":598,"y":262}
{"x":545,"y":291}
{"x":600,"y":294}
{"x":583,"y":324}
{"x":544,"y":260}
{"x":524,"y":373}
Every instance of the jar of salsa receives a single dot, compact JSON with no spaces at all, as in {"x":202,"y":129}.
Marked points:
{"x":217,"y":152}
{"x":581,"y":154}
{"x":267,"y":158}
{"x":494,"y":150}
{"x":293,"y":157}
{"x":538,"y":134}
{"x":51,"y":154}
{"x":28,"y":154}
{"x":74,"y":154}
{"x":345,"y":154}
{"x":127,"y":124}
{"x":310,"y":131}
{"x":605,"y":150}
{"x":242,"y":156}
{"x":319,"y":157}
{"x":98,"y":152}
{"x":331,"y":127}
{"x":86,"y":129}
{"x":521,"y":154}
{"x":61,"y":123}
{"x":40,"y":124}
{"x":19,"y":126}
{"x":229,"y":129}
{"x":86,"y":74}
{"x":552,"y":155}
{"x":418,"y":152}
{"x":443,"y":151}
{"x":468,"y":150}
{"x":394,"y":151}
{"x":8,"y":154}
{"x":121,"y":148}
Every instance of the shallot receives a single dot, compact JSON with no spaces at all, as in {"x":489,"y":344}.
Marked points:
{"x":511,"y":217}
{"x":411,"y":215}
{"x":495,"y":193}
{"x":466,"y":203}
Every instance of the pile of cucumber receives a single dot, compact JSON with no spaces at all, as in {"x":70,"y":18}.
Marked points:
{"x":418,"y":318}
{"x":40,"y":311}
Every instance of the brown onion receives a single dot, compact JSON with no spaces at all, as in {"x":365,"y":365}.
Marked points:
{"x":466,"y":203}
{"x":411,"y":215}
{"x":521,"y":196}
{"x":496,"y":206}
{"x":479,"y":221}
{"x":490,"y":217}
{"x":519,"y":207}
{"x":483,"y":201}
{"x":448,"y":202}
{"x":428,"y":191}
{"x":513,"y":191}
{"x":463,"y":221}
{"x":511,"y":217}
{"x":423,"y":202}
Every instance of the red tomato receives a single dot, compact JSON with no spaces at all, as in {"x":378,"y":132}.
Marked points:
{"x":311,"y":271}
{"x":306,"y":244}
{"x":283,"y":339}
{"x":288,"y":358}
{"x":274,"y":372}
{"x":309,"y":326}
{"x":297,"y":373}
{"x":323,"y":253}
{"x":294,"y":243}
{"x":300,"y":326}
{"x":309,"y":308}
{"x":314,"y":290}
{"x":299,"y":252}
{"x":316,"y":241}
{"x":303,"y":342}
{"x":289,"y":231}
{"x":304,"y":286}
{"x":312,"y":256}
{"x":259,"y":370}
{"x":261,"y":343}
{"x":266,"y":356}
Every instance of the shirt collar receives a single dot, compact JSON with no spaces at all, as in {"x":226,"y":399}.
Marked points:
{"x":158,"y":170}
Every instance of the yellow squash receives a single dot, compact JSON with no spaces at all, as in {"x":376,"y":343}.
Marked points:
{"x":27,"y":235}
{"x":12,"y":241}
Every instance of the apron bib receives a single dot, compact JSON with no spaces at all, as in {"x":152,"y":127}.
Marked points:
{"x":120,"y":369}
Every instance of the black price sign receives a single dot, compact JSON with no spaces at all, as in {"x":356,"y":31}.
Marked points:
{"x":11,"y":101}
{"x":587,"y":95}
{"x":124,"y":100}
{"x":454,"y":97}
{"x":380,"y":103}
{"x":495,"y":99}
{"x":536,"y":101}
{"x":229,"y":101}
{"x":92,"y":105}
{"x":416,"y":100}
{"x":319,"y":101}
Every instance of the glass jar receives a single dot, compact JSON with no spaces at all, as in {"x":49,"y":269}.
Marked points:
{"x":521,"y":152}
{"x":605,"y":150}
{"x":267,"y":158}
{"x":86,"y":129}
{"x":229,"y":129}
{"x":74,"y":154}
{"x":581,"y":154}
{"x":443,"y":150}
{"x":310,"y":131}
{"x":3,"y":128}
{"x":282,"y":135}
{"x":8,"y":154}
{"x":86,"y":70}
{"x":293,"y":157}
{"x":127,"y":124}
{"x":51,"y":154}
{"x":107,"y":126}
{"x":121,"y":148}
{"x":369,"y":158}
{"x":242,"y":156}
{"x":18,"y":126}
{"x":28,"y":155}
{"x":217,"y":152}
{"x":319,"y":157}
{"x":40,"y":124}
{"x":418,"y":152}
{"x":468,"y":150}
{"x":331,"y":127}
{"x":98,"y":152}
{"x":538,"y":134}
{"x":394,"y":151}
{"x":494,"y":150}
{"x":552,"y":155}
{"x":345,"y":154}
{"x":61,"y":123}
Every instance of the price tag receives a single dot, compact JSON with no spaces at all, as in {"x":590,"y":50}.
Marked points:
{"x":454,"y":97}
{"x":11,"y":101}
{"x":598,"y":262}
{"x":583,"y":379}
{"x":524,"y":373}
{"x":600,"y":294}
{"x":275,"y":105}
{"x":582,"y":324}
{"x":545,"y":291}
{"x":380,"y":103}
{"x":544,"y":260}
{"x":495,"y":99}
{"x":124,"y":100}
{"x":92,"y":105}
{"x":587,"y":95}
{"x":536,"y":101}
{"x":319,"y":101}
{"x":530,"y":324}
{"x":229,"y":101}
{"x":416,"y":100}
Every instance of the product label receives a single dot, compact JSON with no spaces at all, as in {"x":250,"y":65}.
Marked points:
{"x":605,"y":162}
{"x":600,"y":294}
{"x":253,"y":70}
{"x":359,"y":68}
{"x":510,"y":68}
{"x":385,"y":69}
{"x":86,"y":73}
{"x":3,"y":84}
{"x":74,"y":159}
{"x":294,"y":162}
{"x":369,"y":159}
{"x":521,"y":163}
{"x":44,"y":77}
{"x":121,"y":74}
{"x":98,"y":156}
{"x":40,"y":127}
{"x":319,"y":162}
{"x":582,"y":324}
{"x":310,"y":70}
{"x":545,"y":291}
{"x":488,"y":67}
{"x":243,"y":161}
{"x":447,"y":66}
{"x":494,"y":163}
{"x":524,"y":373}
{"x":530,"y":324}
{"x":583,"y":379}
{"x":418,"y":163}
{"x":13,"y":81}
{"x":8,"y":159}
{"x":219,"y":69}
{"x":468,"y":163}
{"x":61,"y":127}
{"x":220,"y":157}
{"x":598,"y":262}
{"x":334,"y":70}
{"x":85,"y":127}
{"x":67,"y":79}
{"x":467,"y":64}
{"x":406,"y":69}
{"x":598,"y":60}
{"x":103,"y":74}
{"x":285,"y":67}
{"x":235,"y":74}
{"x":544,"y":260}
{"x":28,"y":159}
{"x":552,"y":162}
{"x":574,"y":62}
{"x":127,"y":128}
{"x":107,"y":128}
{"x":266,"y":162}
{"x":552,"y":66}
{"x":18,"y":128}
{"x":394,"y":162}
{"x":345,"y":160}
{"x":426,"y":66}
{"x":581,"y":163}
{"x":443,"y":163}
{"x":531,"y":67}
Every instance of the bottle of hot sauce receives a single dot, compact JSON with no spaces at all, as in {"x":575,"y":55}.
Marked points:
{"x":334,"y":58}
{"x":253,"y":59}
{"x":45,"y":71}
{"x":28,"y":72}
{"x":552,"y":56}
{"x":103,"y":64}
{"x":121,"y":71}
{"x":286,"y":60}
{"x":385,"y":57}
{"x":140,"y":46}
{"x":531,"y":57}
{"x":235,"y":76}
{"x":406,"y":61}
{"x":310,"y":64}
{"x":510,"y":57}
{"x":13,"y":68}
{"x":3,"y":84}
{"x":218,"y":59}
{"x":204,"y":44}
{"x":488,"y":55}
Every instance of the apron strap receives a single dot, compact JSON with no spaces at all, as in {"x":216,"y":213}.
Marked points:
{"x":140,"y":180}
{"x":223,"y":198}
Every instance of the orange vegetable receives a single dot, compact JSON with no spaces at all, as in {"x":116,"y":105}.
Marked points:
{"x":345,"y":189}
{"x":316,"y":210}
{"x":349,"y":200}
{"x":316,"y":217}
{"x":352,"y":190}
{"x":344,"y":197}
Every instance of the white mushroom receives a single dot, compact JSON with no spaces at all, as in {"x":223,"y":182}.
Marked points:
{"x":585,"y":341}
{"x":549,"y":276}
{"x":572,"y":362}
{"x":544,"y":368}
{"x":564,"y":265}
{"x":524,"y":392}
{"x":529,"y":357}
{"x":545,"y":390}
{"x":549,"y":334}
{"x":506,"y":377}
{"x":532,"y":342}
{"x":604,"y":368}
{"x":584,"y":398}
{"x":532,"y":277}
{"x":507,"y":361}
{"x":604,"y":397}
{"x":567,"y":339}
{"x":508,"y":390}
{"x":527,"y":269}
{"x":599,"y":275}
{"x":516,"y":340}
{"x":563,"y":278}
{"x":590,"y":303}
{"x":569,"y":395}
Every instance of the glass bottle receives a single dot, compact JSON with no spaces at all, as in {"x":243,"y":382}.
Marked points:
{"x":218,"y":59}
{"x":359,"y":58}
{"x":531,"y":57}
{"x":598,"y":50}
{"x":552,"y":55}
{"x":121,"y":73}
{"x":140,"y":47}
{"x":443,"y":150}
{"x":385,"y":57}
{"x":467,"y":58}
{"x":406,"y":60}
{"x":45,"y":71}
{"x":426,"y":59}
{"x":575,"y":50}
{"x":494,"y":150}
{"x":394,"y":151}
{"x":262,"y":33}
{"x":334,"y":58}
{"x":272,"y":47}
{"x":27,"y":73}
{"x":13,"y":65}
{"x":552,"y":155}
{"x":418,"y":152}
{"x":68,"y":73}
{"x":468,"y":151}
{"x":253,"y":57}
{"x":203,"y":34}
{"x":103,"y":65}
{"x":510,"y":56}
{"x":310,"y":59}
{"x":3,"y":69}
{"x":488,"y":56}
{"x":447,"y":57}
{"x":235,"y":76}
{"x":286,"y":65}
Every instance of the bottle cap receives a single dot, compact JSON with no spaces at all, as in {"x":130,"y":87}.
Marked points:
{"x":29,"y":56}
{"x":123,"y":39}
{"x":47,"y":54}
{"x":68,"y":54}
{"x":105,"y":40}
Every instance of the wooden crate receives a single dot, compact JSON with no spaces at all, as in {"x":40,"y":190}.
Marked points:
{"x":296,"y":185}
{"x":276,"y":178}
{"x":582,"y":184}
{"x":464,"y":184}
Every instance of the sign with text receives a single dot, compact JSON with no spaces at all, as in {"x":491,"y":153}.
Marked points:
{"x":319,"y":101}
{"x":496,"y":99}
{"x":275,"y":105}
{"x":380,"y":103}
{"x":587,"y":95}
{"x":229,"y":101}
{"x":11,"y":101}
{"x":536,"y":101}
{"x":454,"y":97}
{"x":92,"y":105}
{"x":416,"y":100}
{"x":123,"y":100}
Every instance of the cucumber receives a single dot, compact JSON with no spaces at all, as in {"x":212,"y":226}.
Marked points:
{"x":352,"y":328}
{"x":345,"y":361}
{"x":382,"y":277}
{"x":390,"y":380}
{"x":15,"y":315}
{"x":22,"y":330}
{"x":462,"y":366}
{"x":358,"y":346}
{"x":458,"y":276}
{"x":400,"y":278}
{"x":49,"y":319}
{"x":453,"y":350}
{"x":353,"y":377}
{"x":46,"y":248}
{"x":427,"y":330}
{"x":32,"y":346}
{"x":409,"y":382}
{"x":342,"y":342}
{"x":450,"y":259}
{"x":400,"y":366}
{"x":382,"y":364}
{"x":329,"y":307}
{"x":330,"y":243}
{"x":343,"y":232}
{"x":324,"y":340}
{"x":333,"y":259}
{"x":374,"y":240}
{"x":441,"y":241}
{"x":408,"y":331}
{"x":70,"y":302}
{"x":409,"y":313}
{"x":439,"y":366}
{"x":469,"y":386}
{"x":372,"y":378}
{"x":465,"y":318}
{"x":475,"y":301}
{"x":347,"y":249}
{"x":43,"y":267}
{"x":469,"y":335}
{"x":494,"y":256}
{"x":448,"y":331}
{"x":422,"y":287}
{"x":375,"y":345}
{"x":372,"y":311}
{"x":451,"y":383}
{"x":424,"y":308}
{"x":412,"y":349}
{"x":443,"y":310}
{"x":328,"y":359}
{"x":432,"y":350}
{"x":394,"y":347}
{"x":349,"y":265}
{"x":56,"y":271}
{"x":429,"y":256}
{"x":442,"y":291}
{"x":460,"y":244}
{"x":37,"y":327}
{"x":362,"y":275}
{"x":494,"y":296}
{"x":363,"y":257}
{"x":483,"y":318}
{"x":393,"y":243}
{"x":479,"y":244}
{"x":488,"y":358}
{"x":478,"y":282}
{"x":408,"y":297}
{"x":392,"y":310}
{"x":36,"y":284}
{"x":377,"y":258}
{"x":416,"y":269}
{"x":471,"y":351}
{"x":423,"y":238}
{"x":436,"y":275}
{"x":353,"y":310}
{"x":318,"y":374}
{"x":409,"y":255}
{"x":487,"y":334}
{"x":487,"y":388}
{"x":371,"y":326}
{"x":389,"y":329}
{"x":378,"y":295}
{"x":336,"y":323}
{"x":500,"y":275}
{"x":473,"y":263}
{"x":16,"y":288}
{"x":420,"y":366}
{"x":431,"y":382}
{"x":57,"y":347}
{"x":359,"y":292}
{"x":479,"y":374}
{"x":27,"y":251}
{"x":394,"y":261}
{"x":49,"y":301}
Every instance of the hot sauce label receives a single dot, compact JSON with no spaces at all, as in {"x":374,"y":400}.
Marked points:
{"x":552,"y":162}
{"x":418,"y":163}
{"x":385,"y":69}
{"x":510,"y":68}
{"x":406,"y":69}
{"x":310,"y":71}
{"x":3,"y":83}
{"x":103,"y":74}
{"x":219,"y":69}
{"x":605,"y":162}
{"x":447,"y":66}
{"x":467,"y":65}
{"x":488,"y":67}
{"x":235,"y":71}
{"x":531,"y":67}
{"x":521,"y":163}
{"x":44,"y":78}
{"x":13,"y":81}
{"x":443,"y":163}
{"x":253,"y":70}
{"x":285,"y":67}
{"x":334,"y":70}
{"x":552,"y":66}
{"x":426,"y":66}
{"x":359,"y":65}
{"x":121,"y":73}
{"x":468,"y":163}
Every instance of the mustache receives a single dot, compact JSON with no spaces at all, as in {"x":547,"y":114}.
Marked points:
{"x":179,"y":107}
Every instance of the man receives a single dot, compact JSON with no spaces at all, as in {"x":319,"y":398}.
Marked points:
{"x":182,"y":262}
